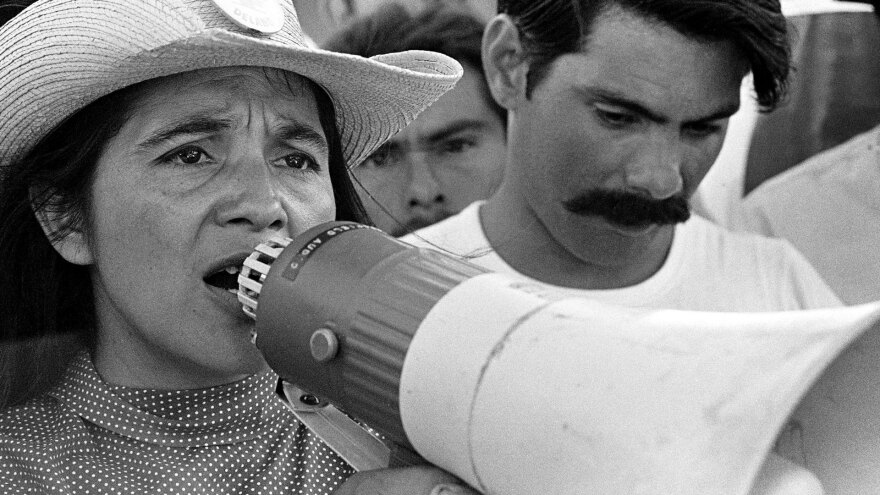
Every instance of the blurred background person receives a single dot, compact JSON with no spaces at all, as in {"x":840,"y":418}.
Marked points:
{"x":833,"y":96}
{"x":322,"y":18}
{"x":454,"y":152}
{"x":829,"y":206}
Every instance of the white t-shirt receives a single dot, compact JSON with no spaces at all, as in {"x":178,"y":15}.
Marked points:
{"x":828,"y":207}
{"x":707,"y":269}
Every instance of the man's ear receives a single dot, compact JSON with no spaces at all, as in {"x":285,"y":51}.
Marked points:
{"x":70,"y":242}
{"x":505,"y":62}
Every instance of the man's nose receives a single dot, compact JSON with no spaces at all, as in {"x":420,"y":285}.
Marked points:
{"x":251,"y":198}
{"x":424,"y":190}
{"x":656,"y":170}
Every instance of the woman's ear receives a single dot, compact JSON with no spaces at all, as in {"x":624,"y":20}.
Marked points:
{"x":71,"y":243}
{"x":505,"y":62}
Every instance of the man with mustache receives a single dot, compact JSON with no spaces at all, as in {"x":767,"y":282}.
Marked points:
{"x":616,"y":111}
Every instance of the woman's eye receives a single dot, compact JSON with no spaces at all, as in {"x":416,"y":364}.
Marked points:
{"x":300,"y":161}
{"x":186,"y":156}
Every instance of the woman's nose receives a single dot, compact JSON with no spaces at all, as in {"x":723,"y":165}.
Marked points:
{"x":251,"y":198}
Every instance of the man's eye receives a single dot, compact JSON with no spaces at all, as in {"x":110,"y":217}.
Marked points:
{"x":702,"y":130}
{"x":616,"y":119}
{"x":374,"y":161}
{"x":190,"y":155}
{"x":379,"y":158}
{"x":456,"y":146}
{"x":300,"y":161}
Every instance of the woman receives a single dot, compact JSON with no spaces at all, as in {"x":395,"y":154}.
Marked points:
{"x":146,"y":147}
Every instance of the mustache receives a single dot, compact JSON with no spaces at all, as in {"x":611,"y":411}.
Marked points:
{"x":629,"y":209}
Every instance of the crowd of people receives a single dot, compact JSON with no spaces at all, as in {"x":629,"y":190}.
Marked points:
{"x":146,"y":147}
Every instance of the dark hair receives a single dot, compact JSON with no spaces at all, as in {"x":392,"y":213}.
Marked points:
{"x":438,"y":27}
{"x":11,"y":8}
{"x":550,"y":28}
{"x":43,"y":294}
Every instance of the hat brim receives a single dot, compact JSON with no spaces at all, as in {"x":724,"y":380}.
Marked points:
{"x":373,"y":98}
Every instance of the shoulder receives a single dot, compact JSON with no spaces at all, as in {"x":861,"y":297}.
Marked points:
{"x":38,"y":424}
{"x":729,"y":248}
{"x":816,"y":170}
{"x":837,"y":183}
{"x":458,"y":233}
{"x":769,"y":269}
{"x":36,"y":441}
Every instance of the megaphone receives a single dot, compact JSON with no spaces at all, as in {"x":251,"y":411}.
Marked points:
{"x":517,"y":389}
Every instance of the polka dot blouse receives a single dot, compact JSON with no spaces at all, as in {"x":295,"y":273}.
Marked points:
{"x":87,"y":437}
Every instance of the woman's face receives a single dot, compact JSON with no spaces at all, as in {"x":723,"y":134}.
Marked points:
{"x":209,"y":164}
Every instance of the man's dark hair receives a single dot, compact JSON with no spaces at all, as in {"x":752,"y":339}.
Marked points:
{"x":875,"y":4}
{"x":438,"y":27}
{"x":550,"y":28}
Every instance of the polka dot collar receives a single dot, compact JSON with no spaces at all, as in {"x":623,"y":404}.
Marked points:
{"x":219,"y":415}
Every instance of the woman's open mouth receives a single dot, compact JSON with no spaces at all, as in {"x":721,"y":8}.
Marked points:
{"x":222,"y":282}
{"x":226,"y":279}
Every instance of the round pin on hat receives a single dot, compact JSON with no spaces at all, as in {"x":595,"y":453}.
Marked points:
{"x":265,"y":16}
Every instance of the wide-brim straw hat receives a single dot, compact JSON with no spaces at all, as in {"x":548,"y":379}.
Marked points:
{"x":57,"y":56}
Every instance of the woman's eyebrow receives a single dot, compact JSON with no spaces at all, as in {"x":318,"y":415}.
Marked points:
{"x":194,"y":124}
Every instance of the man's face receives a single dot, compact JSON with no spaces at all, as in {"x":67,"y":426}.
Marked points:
{"x":209,"y":164}
{"x":450,"y":156}
{"x":616,"y":138}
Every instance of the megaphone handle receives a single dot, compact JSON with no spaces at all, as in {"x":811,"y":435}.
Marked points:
{"x":357,"y":446}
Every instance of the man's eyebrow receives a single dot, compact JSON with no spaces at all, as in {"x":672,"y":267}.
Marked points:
{"x":193,"y":124}
{"x":293,"y":130}
{"x":722,"y":113}
{"x":458,"y":126}
{"x":618,"y":99}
